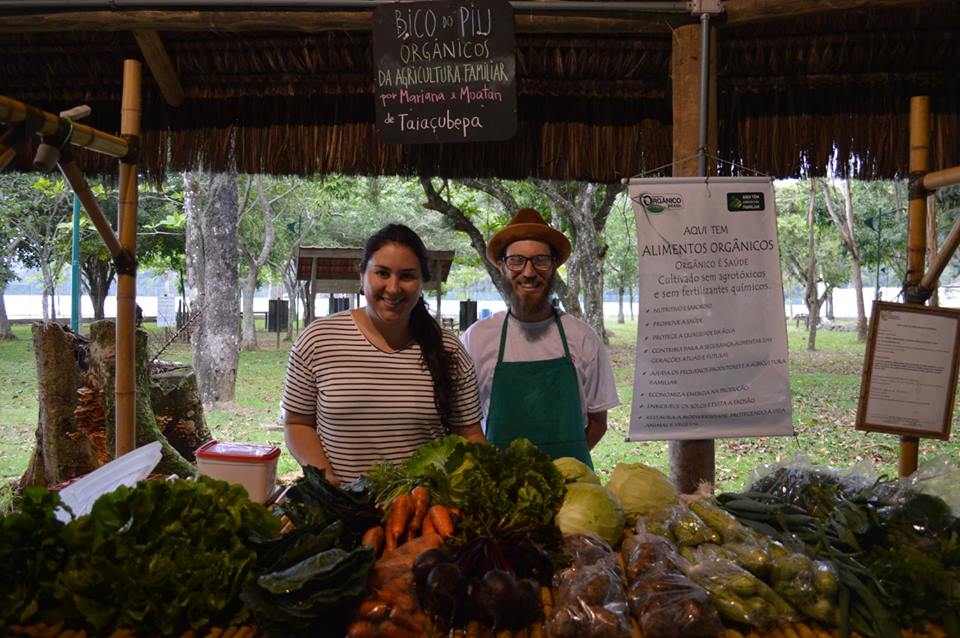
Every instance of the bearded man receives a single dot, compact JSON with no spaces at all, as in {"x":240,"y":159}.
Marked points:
{"x":543,"y":374}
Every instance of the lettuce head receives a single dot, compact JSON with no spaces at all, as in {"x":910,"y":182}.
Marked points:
{"x":589,"y":508}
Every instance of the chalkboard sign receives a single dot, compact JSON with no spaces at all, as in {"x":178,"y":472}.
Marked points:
{"x":446,"y":71}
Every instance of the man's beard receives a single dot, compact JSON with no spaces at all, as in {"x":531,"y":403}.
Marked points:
{"x":520,"y":307}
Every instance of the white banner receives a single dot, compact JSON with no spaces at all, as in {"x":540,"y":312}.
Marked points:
{"x":711,"y":336}
{"x":166,"y":311}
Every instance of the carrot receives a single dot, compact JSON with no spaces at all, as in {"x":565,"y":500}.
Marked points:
{"x":373,"y":609}
{"x":440,"y":517}
{"x":400,"y":513}
{"x":361,"y":629}
{"x":392,"y":630}
{"x":421,"y":502}
{"x":373,"y":538}
{"x":427,"y":527}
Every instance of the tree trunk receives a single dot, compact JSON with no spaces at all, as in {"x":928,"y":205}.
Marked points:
{"x":248,"y":340}
{"x":62,"y":452}
{"x":290,"y":285}
{"x":212,"y":260}
{"x":97,"y":274}
{"x":569,"y":290}
{"x":175,"y":398}
{"x":103,"y":338}
{"x":630,"y":289}
{"x":620,"y":290}
{"x":829,"y":309}
{"x":810,"y":297}
{"x":6,"y":331}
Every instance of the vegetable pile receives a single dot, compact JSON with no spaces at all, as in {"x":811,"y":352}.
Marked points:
{"x":896,"y":550}
{"x":163,"y":557}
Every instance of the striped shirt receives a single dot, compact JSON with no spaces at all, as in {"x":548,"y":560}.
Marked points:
{"x":371,"y":405}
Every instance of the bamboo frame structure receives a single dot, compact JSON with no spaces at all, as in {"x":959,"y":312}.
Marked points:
{"x":32,"y":120}
{"x":920,"y":283}
{"x":37,"y":121}
{"x":126,"y":383}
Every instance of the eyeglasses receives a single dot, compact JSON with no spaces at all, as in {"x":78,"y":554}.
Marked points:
{"x":517,"y":263}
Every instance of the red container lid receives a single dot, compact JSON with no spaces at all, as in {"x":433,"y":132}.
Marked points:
{"x":243,"y":452}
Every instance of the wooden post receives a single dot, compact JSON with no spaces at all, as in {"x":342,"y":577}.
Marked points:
{"x":916,"y":239}
{"x":126,"y":386}
{"x":691,"y":462}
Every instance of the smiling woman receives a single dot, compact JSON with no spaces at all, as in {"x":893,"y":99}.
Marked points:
{"x":375,"y":383}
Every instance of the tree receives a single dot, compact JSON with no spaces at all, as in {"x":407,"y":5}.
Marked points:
{"x":841,"y":212}
{"x":581,"y":209}
{"x":809,"y":252}
{"x":44,"y":205}
{"x":622,"y":266}
{"x":212,"y":217}
{"x":256,"y":239}
{"x":586,"y":207}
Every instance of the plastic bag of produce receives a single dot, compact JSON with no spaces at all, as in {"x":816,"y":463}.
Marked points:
{"x":667,"y":604}
{"x":644,"y":553}
{"x":578,"y":619}
{"x":739,"y":595}
{"x":588,"y":549}
{"x":596,"y":585}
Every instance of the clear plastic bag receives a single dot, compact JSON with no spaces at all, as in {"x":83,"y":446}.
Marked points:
{"x":579,"y":620}
{"x":670,"y":605}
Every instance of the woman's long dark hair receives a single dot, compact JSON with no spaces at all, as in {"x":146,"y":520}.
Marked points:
{"x":425,"y":329}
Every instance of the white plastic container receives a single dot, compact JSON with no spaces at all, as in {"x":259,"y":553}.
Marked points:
{"x":252,"y":466}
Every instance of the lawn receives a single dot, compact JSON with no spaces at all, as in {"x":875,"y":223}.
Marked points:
{"x":825,"y":387}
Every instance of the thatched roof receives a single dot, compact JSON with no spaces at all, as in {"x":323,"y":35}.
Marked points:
{"x":594,"y":93}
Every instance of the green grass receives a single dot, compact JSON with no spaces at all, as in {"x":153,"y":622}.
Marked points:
{"x":825,"y":387}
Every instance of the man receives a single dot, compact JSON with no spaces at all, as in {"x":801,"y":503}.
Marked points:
{"x":543,"y":374}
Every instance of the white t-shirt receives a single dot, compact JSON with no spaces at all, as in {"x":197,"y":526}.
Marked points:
{"x":536,"y":341}
{"x":371,"y":405}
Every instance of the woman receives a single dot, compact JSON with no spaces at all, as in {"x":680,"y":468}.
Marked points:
{"x":375,"y":383}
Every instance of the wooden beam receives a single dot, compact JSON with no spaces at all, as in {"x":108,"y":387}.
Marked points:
{"x":692,"y":462}
{"x":160,"y":65}
{"x":750,"y":11}
{"x":310,"y":21}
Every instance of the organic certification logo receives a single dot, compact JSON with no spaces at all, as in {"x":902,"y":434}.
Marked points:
{"x":659,"y":202}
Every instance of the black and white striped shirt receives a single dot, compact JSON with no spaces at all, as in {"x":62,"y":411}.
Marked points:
{"x":371,"y":405}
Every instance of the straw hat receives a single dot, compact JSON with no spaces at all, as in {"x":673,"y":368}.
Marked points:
{"x":528,"y":224}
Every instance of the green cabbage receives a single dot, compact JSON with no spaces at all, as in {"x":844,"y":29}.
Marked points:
{"x":642,"y":489}
{"x":575,"y":470}
{"x":589,"y":508}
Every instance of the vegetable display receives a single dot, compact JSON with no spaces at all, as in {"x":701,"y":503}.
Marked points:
{"x":466,"y":541}
{"x":163,"y":557}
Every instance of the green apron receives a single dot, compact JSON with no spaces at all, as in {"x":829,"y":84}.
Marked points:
{"x":537,"y":400}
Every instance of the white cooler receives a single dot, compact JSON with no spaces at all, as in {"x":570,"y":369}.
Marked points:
{"x":252,"y":466}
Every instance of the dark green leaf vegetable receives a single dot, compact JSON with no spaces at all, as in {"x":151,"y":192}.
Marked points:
{"x":164,"y":557}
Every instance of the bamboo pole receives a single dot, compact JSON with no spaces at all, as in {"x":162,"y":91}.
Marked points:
{"x":939,"y":179}
{"x":126,"y":385}
{"x":942,"y":258}
{"x":916,"y":239}
{"x":15,"y":112}
{"x":71,"y":172}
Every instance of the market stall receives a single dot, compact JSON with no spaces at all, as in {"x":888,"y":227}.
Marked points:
{"x":462,"y":539}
